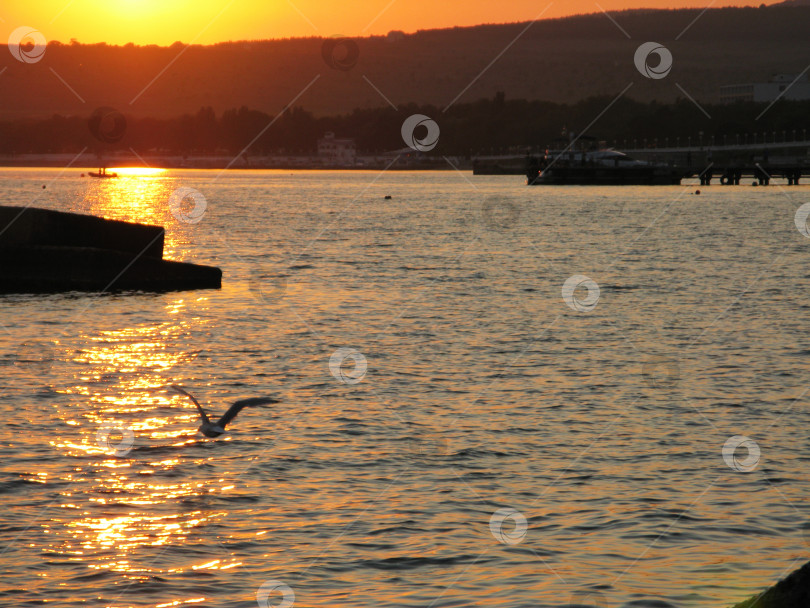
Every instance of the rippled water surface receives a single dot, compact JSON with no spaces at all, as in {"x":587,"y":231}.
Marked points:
{"x":484,"y":391}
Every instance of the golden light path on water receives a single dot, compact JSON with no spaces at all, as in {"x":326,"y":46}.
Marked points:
{"x":138,"y":194}
{"x":121,"y":385}
{"x":483,"y":391}
{"x":137,"y":361}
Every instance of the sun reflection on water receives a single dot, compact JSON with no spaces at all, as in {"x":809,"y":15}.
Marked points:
{"x":139,"y":194}
{"x":151,"y":496}
{"x":138,"y":171}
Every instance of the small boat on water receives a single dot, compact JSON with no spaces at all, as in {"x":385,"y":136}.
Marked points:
{"x":102,"y":173}
{"x":602,"y":167}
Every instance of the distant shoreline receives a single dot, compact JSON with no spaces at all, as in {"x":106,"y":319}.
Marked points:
{"x":377,"y":163}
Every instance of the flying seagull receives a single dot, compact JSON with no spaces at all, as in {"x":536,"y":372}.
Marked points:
{"x":215,"y":429}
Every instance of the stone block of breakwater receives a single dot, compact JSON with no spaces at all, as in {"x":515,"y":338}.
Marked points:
{"x":792,"y":591}
{"x":31,"y":226}
{"x":43,"y":251}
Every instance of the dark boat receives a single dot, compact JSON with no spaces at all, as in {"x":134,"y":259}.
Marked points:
{"x":599,"y":168}
{"x":102,"y":173}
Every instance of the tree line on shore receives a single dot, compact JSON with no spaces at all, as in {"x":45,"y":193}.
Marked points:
{"x":559,"y":60}
{"x":482,"y":127}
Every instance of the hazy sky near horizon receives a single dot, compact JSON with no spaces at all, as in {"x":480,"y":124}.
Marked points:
{"x":207,"y":21}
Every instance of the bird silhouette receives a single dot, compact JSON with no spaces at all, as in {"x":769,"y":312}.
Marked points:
{"x":215,"y":429}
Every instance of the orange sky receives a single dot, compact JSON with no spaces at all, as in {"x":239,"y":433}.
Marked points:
{"x":206,"y":21}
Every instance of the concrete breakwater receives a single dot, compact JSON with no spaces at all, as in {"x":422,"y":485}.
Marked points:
{"x":44,"y":251}
{"x":793,"y":591}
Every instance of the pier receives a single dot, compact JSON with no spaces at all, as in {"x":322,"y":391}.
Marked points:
{"x":736,"y":163}
{"x":727,"y":164}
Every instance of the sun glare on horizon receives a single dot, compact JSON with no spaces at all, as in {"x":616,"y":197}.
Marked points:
{"x":137,"y":171}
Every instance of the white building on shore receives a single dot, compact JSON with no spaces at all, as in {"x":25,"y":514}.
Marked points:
{"x":779,"y":87}
{"x":336,"y":151}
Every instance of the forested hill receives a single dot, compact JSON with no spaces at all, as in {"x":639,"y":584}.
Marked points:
{"x":560,"y":60}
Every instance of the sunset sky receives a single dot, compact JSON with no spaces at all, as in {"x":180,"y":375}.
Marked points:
{"x":207,"y":21}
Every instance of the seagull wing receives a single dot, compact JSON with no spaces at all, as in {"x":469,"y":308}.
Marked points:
{"x":190,"y":396}
{"x":238,"y":405}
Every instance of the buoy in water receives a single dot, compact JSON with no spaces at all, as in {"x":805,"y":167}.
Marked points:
{"x":755,"y":183}
{"x":43,"y":186}
{"x":697,"y":191}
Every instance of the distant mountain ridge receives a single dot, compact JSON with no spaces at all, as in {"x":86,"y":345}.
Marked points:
{"x":561,"y":60}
